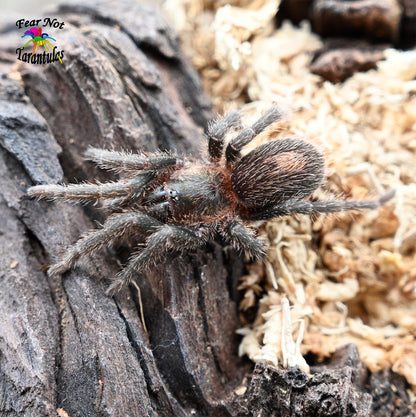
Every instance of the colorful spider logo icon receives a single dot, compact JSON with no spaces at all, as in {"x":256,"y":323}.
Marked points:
{"x":39,"y":39}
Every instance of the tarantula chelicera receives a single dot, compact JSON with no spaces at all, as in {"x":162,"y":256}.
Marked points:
{"x":178,"y":205}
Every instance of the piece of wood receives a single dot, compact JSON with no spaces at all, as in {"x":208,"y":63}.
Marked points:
{"x":339,"y":59}
{"x":372,"y":19}
{"x":64,"y":344}
{"x":66,"y":348}
{"x":343,"y":387}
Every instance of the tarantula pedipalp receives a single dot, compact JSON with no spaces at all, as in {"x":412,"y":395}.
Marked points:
{"x":178,"y":204}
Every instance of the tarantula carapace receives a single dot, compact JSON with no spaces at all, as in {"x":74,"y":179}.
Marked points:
{"x":178,"y":204}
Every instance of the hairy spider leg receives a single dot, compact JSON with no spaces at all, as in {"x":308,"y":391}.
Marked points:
{"x":136,"y":198}
{"x":88,"y":191}
{"x":325,"y":206}
{"x":113,"y":228}
{"x":232,"y":152}
{"x":216,"y":134}
{"x":125,"y":162}
{"x":242,"y":239}
{"x":157,"y":209}
{"x":167,"y":239}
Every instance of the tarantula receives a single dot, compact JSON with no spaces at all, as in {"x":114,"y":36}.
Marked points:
{"x":178,"y":204}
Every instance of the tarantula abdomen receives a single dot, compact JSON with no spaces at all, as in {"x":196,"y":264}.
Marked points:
{"x":277,"y":171}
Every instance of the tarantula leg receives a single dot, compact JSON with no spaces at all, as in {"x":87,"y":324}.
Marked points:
{"x":325,"y":206}
{"x":232,"y":153}
{"x":88,"y":191}
{"x":167,"y":239}
{"x":114,"y":227}
{"x":243,"y":239}
{"x":127,"y":162}
{"x":216,"y":134}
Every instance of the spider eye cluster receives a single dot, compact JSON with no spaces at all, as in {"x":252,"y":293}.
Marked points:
{"x":173,"y":195}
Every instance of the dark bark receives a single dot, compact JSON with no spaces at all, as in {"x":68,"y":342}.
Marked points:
{"x":355,"y":33}
{"x":342,"y":387}
{"x":372,"y":19}
{"x":408,"y":24}
{"x":339,"y":59}
{"x":66,"y":347}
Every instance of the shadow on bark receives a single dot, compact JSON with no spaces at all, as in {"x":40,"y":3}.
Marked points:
{"x":65,"y":345}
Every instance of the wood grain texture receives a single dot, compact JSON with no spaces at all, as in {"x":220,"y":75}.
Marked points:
{"x":64,"y":344}
{"x":66,"y":347}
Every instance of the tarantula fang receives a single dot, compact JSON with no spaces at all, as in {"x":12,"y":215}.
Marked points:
{"x":177,"y":204}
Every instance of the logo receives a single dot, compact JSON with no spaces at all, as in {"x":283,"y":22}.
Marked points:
{"x":39,"y":39}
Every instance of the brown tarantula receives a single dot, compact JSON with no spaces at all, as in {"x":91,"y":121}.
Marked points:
{"x":179,"y":205}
